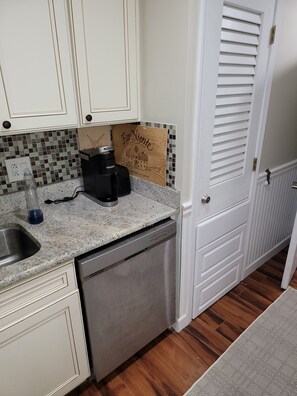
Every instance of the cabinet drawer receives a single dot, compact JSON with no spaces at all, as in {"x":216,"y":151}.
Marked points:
{"x":218,"y":254}
{"x":209,"y":291}
{"x":209,"y":230}
{"x":22,"y":298}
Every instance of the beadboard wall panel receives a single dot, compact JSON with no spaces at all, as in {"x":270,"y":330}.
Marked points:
{"x":273,"y":216}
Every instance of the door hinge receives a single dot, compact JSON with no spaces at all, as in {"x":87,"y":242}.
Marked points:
{"x":272,"y":34}
{"x":255,"y":161}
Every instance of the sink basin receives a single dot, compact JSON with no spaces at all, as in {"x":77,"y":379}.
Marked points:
{"x":16,"y":244}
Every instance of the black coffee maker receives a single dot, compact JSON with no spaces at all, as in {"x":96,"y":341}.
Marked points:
{"x":99,"y":175}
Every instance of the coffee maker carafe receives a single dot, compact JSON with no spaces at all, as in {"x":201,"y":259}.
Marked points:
{"x":99,"y":175}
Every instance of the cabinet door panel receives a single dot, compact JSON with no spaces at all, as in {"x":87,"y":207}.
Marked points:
{"x":44,"y":353}
{"x":105,"y":41}
{"x":37,"y":86}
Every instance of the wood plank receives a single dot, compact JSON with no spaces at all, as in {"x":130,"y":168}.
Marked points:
{"x":113,"y":385}
{"x":229,"y":331}
{"x":236,"y":311}
{"x":143,"y":150}
{"x":167,"y":377}
{"x":139,"y":381}
{"x":254,"y":298}
{"x":205,"y":353}
{"x":238,"y":289}
{"x":85,"y":389}
{"x":93,"y":137}
{"x":177,"y":357}
{"x":208,"y":336}
{"x":273,"y":270}
{"x":264,"y":289}
{"x":201,"y":366}
{"x":211,"y":319}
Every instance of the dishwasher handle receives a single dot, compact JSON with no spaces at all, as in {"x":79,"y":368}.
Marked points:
{"x":125,"y":249}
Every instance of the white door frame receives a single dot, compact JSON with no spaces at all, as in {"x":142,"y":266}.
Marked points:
{"x":189,"y":222}
{"x":291,"y":262}
{"x":279,"y":11}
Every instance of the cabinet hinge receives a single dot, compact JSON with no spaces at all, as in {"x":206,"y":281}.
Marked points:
{"x":255,"y":161}
{"x":272,"y":34}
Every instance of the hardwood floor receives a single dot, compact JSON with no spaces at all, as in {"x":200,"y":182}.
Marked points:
{"x":174,"y":361}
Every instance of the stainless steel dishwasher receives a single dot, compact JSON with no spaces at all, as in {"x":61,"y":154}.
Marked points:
{"x":128,"y":294}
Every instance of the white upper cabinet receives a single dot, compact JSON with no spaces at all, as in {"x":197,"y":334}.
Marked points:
{"x":36,"y":83}
{"x":48,"y":48}
{"x":106,"y":59}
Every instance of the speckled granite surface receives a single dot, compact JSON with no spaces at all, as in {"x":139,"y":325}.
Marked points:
{"x":164,"y":195}
{"x":76,"y":227}
{"x":15,"y":201}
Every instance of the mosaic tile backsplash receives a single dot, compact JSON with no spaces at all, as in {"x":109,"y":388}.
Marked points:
{"x":54,"y":156}
{"x":171,"y":151}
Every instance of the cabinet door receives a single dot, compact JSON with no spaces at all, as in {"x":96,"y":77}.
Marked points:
{"x":44,"y":353}
{"x":36,"y":80}
{"x":105,"y":42}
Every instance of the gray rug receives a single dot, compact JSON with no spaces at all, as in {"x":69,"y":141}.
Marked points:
{"x":262,"y":361}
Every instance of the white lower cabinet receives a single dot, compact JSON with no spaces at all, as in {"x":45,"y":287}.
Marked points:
{"x":219,"y":256}
{"x":42,"y":352}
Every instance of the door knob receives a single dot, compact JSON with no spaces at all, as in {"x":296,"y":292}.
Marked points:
{"x":294,"y":185}
{"x":6,"y":124}
{"x":89,"y":117}
{"x":205,"y":199}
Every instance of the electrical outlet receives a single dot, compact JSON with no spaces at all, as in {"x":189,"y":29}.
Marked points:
{"x":15,"y":168}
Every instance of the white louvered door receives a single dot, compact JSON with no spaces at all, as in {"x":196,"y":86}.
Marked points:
{"x":236,"y":51}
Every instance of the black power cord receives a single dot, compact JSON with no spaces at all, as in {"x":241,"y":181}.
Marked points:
{"x":65,"y":199}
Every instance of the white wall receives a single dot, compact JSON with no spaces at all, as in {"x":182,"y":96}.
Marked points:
{"x":166,"y":48}
{"x":280,"y":141}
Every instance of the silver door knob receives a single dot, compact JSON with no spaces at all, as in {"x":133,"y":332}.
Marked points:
{"x":294,"y":185}
{"x":205,"y":199}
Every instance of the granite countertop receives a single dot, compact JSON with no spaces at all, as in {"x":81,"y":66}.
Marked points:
{"x":76,"y":227}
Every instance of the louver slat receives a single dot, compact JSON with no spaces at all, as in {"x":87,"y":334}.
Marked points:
{"x":229,"y":136}
{"x":226,"y":176}
{"x":218,"y":130}
{"x":225,"y":146}
{"x":234,"y":99}
{"x":230,"y":153}
{"x":235,"y":80}
{"x":232,"y":118}
{"x":237,"y":67}
{"x":239,"y":38}
{"x":248,"y":89}
{"x":241,"y":70}
{"x":223,"y":110}
{"x":228,"y":161}
{"x":239,"y":26}
{"x":242,"y":15}
{"x":226,"y":169}
{"x":232,"y":59}
{"x":238,"y":49}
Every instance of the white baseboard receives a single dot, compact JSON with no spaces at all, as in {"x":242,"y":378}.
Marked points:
{"x":267,"y":256}
{"x":181,"y":323}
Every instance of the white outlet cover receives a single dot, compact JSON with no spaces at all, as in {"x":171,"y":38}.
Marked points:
{"x":15,"y":168}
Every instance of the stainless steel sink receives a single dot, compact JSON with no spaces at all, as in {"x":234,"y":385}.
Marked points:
{"x":16,"y":244}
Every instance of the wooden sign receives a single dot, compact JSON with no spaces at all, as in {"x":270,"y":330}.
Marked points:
{"x":93,"y":137}
{"x":142,"y":150}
